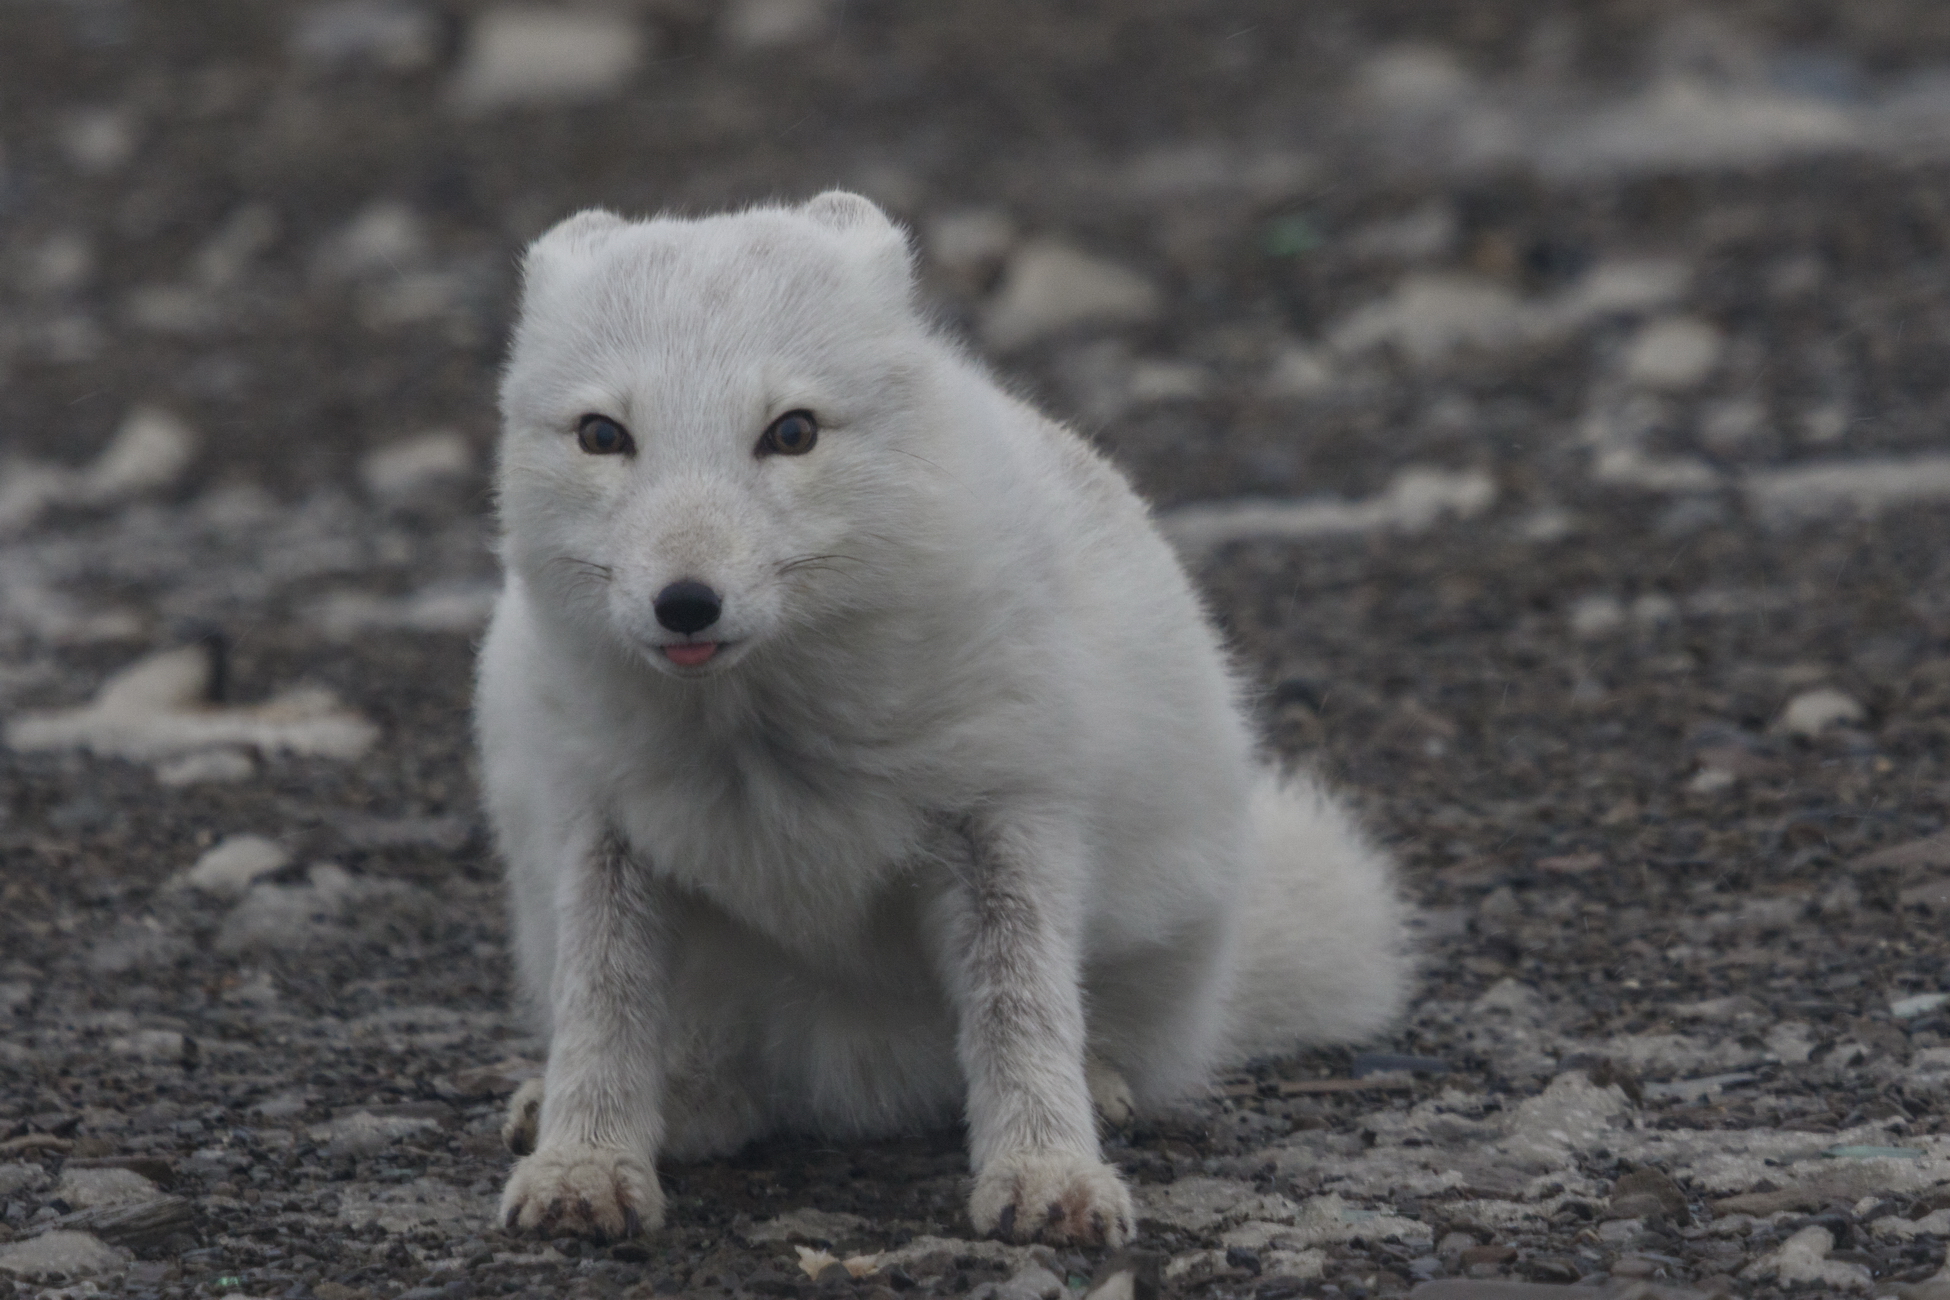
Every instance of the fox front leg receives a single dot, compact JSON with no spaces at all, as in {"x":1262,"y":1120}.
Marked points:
{"x":1008,"y":935}
{"x":592,"y":1171}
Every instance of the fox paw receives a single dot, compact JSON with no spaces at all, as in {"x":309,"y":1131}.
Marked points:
{"x":583,"y":1191}
{"x":524,"y":1117}
{"x":1052,"y":1196}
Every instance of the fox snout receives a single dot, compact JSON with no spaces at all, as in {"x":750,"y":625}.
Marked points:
{"x":687,"y":606}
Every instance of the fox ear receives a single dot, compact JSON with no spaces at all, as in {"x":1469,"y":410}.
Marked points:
{"x":847,"y":211}
{"x":571,"y":237}
{"x":861,"y":220}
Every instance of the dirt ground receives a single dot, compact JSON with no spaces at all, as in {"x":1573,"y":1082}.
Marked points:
{"x":1589,"y":363}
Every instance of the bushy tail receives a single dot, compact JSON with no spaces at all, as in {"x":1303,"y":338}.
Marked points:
{"x":1323,"y":953}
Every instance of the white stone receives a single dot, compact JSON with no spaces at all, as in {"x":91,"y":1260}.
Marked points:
{"x":1684,"y":123}
{"x":363,"y":1133}
{"x":1673,"y":354}
{"x":234,"y":865}
{"x":1628,"y":467}
{"x":150,"y":450}
{"x":412,"y":465}
{"x":808,"y":1224}
{"x":455,"y":608}
{"x":1297,"y":371}
{"x":152,"y":1045}
{"x":384,"y":237}
{"x":244,"y":236}
{"x":1711,"y":780}
{"x":99,"y":140}
{"x":1427,"y":232}
{"x":1596,"y":615}
{"x":1430,"y":315}
{"x":1418,"y":79}
{"x":1863,"y":487}
{"x":181,"y":309}
{"x":1813,"y":712}
{"x":1165,"y":381}
{"x":1918,"y":1004}
{"x":1039,"y":1282}
{"x":516,"y":55}
{"x":1414,"y":501}
{"x":220,"y":766}
{"x":70,"y":1254}
{"x":153,"y":709}
{"x":970,"y":241}
{"x":770,"y":24}
{"x":386,"y":34}
{"x":61,"y":263}
{"x":17,"y":1176}
{"x":1804,"y":1258}
{"x":1049,"y":287}
{"x":88,"y":1189}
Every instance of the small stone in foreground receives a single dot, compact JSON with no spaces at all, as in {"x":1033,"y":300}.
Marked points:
{"x":72,"y":1254}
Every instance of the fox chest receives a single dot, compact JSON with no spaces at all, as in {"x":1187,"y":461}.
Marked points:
{"x":802,"y":852}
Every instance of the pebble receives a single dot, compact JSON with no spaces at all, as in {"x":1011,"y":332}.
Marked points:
{"x":73,"y":1254}
{"x":98,"y":140}
{"x":155,"y":709}
{"x":221,"y":766}
{"x":1864,"y":488}
{"x":1415,"y":500}
{"x":773,"y":24}
{"x":384,"y":34}
{"x":1920,"y":1004}
{"x":1813,"y":712}
{"x":407,"y":468}
{"x":150,"y":450}
{"x":386,"y":236}
{"x":1431,"y":315}
{"x":61,"y":263}
{"x":1673,"y":354}
{"x":16,"y":1176}
{"x":1297,"y":371}
{"x":450,"y":607}
{"x":88,"y":1189}
{"x":1049,"y":287}
{"x":971,"y":242}
{"x":1804,"y":1258}
{"x":363,"y":1133}
{"x":234,"y":865}
{"x":805,"y":1225}
{"x":519,"y":56}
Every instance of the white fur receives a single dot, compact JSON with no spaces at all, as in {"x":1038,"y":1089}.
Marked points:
{"x":961,"y":803}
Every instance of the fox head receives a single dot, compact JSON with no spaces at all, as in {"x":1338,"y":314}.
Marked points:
{"x":712,"y":428}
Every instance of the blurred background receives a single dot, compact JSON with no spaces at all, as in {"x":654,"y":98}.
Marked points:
{"x":1550,"y":399}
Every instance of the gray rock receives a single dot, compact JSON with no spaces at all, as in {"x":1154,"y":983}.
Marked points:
{"x":63,"y":1253}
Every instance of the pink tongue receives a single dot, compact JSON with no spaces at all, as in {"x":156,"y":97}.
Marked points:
{"x":690,"y":656}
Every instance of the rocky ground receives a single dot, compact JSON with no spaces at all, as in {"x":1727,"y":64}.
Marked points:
{"x":1550,"y":399}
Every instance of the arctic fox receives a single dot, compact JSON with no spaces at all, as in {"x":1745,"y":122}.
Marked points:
{"x":860,"y":754}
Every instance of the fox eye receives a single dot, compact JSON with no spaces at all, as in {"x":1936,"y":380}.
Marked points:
{"x":601,"y":436}
{"x":792,"y":434}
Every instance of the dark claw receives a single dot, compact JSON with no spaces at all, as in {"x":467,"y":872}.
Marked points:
{"x":514,"y":1212}
{"x":632,"y":1222}
{"x":1006,"y":1225}
{"x":1055,"y":1212}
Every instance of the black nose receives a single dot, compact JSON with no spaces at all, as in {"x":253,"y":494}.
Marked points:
{"x":686,"y":606}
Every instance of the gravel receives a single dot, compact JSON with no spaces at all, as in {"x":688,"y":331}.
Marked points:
{"x":1549,"y":400}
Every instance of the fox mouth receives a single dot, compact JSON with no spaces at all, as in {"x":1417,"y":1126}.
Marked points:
{"x":691,"y":654}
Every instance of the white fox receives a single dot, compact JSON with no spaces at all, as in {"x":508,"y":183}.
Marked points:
{"x":860,"y":754}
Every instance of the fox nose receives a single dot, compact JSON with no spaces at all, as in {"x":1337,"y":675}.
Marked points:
{"x":687,"y":606}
